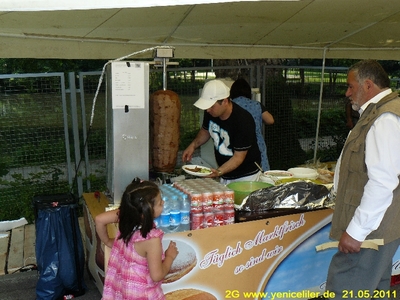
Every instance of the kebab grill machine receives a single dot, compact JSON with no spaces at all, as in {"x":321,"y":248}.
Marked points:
{"x":142,"y":130}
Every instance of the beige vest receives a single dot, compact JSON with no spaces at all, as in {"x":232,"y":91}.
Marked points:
{"x":353,"y":176}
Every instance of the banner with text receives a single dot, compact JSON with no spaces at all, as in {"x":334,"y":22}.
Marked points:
{"x":266,"y":259}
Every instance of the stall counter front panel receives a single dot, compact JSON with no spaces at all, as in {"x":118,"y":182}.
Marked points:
{"x":235,"y":259}
{"x":263,"y":259}
{"x":255,"y":259}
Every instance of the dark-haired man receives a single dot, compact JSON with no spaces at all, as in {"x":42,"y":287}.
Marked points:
{"x":232,"y":129}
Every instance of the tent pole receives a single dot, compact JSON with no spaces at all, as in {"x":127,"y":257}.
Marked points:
{"x":321,"y":90}
{"x":164,"y":73}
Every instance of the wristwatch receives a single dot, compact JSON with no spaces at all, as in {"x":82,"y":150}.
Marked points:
{"x":219,"y":172}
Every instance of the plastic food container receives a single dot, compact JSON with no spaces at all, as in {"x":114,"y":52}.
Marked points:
{"x":243,"y":188}
{"x":304,"y":173}
{"x":278,"y":174}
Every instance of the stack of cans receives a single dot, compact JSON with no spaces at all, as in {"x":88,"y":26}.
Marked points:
{"x":212,"y":203}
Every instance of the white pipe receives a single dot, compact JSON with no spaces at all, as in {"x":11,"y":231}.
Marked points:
{"x":321,"y":90}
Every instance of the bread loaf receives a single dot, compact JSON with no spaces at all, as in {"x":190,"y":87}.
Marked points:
{"x":165,"y":114}
{"x":189,"y":294}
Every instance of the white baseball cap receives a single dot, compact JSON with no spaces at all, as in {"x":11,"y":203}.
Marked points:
{"x":213,"y":91}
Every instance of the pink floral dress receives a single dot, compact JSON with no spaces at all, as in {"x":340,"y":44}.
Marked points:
{"x":128,"y":275}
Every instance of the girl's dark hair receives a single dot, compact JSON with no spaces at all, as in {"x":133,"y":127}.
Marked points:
{"x":136,"y":209}
{"x":240,"y":88}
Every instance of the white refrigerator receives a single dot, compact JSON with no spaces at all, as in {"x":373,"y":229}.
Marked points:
{"x":127,"y":125}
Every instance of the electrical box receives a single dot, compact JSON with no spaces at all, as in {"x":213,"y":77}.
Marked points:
{"x":127,"y":125}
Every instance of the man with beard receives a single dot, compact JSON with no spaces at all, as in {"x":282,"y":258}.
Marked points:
{"x":367,"y":186}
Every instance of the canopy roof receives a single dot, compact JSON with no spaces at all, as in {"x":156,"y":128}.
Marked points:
{"x":104,"y":29}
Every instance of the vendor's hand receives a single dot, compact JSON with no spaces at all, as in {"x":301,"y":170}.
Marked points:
{"x":214,"y":173}
{"x":349,"y":245}
{"x":187,"y":154}
{"x":172,"y":250}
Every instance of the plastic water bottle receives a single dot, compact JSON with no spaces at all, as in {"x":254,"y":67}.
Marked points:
{"x":165,"y":215}
{"x":175,"y":214}
{"x":157,"y":221}
{"x":185,"y":212}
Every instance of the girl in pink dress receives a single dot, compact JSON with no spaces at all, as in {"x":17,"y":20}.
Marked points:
{"x":137,"y":264}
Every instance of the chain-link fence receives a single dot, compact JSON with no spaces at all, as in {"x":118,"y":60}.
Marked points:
{"x":305,"y":114}
{"x":34,"y":143}
{"x":51,"y":135}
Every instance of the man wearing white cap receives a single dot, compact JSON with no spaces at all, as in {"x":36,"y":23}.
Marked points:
{"x":232,"y":129}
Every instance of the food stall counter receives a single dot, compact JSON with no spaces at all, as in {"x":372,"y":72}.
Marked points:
{"x":229,"y":260}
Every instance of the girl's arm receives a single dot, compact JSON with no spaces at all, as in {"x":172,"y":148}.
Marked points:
{"x":159,"y":268}
{"x":101,"y":221}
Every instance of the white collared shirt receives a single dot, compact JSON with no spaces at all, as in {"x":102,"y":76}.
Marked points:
{"x":383,"y":164}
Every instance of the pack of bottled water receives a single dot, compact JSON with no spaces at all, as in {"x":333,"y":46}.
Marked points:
{"x":175,"y":216}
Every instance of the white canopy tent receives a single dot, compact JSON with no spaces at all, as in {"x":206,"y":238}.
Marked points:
{"x":218,"y":29}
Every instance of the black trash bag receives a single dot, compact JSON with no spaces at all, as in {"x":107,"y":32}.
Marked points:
{"x":293,"y":195}
{"x":59,"y":248}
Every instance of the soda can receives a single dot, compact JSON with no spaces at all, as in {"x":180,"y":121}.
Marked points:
{"x":208,"y":208}
{"x":219,"y":207}
{"x":196,"y":209}
{"x":229,"y":216}
{"x":218,"y":197}
{"x":208,"y":219}
{"x":219,"y":218}
{"x":196,"y":199}
{"x":229,"y":206}
{"x":207,"y":198}
{"x":68,"y":297}
{"x":197,"y":221}
{"x":229,"y":196}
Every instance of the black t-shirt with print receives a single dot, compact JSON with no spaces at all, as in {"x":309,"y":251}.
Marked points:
{"x":237,"y":133}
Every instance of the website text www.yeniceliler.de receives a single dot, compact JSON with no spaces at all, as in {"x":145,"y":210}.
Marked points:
{"x":305,"y":294}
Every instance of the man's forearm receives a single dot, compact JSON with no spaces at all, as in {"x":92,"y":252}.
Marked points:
{"x":201,"y":138}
